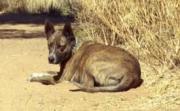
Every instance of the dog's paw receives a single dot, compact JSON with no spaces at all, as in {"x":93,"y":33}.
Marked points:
{"x":37,"y":76}
{"x":44,"y":78}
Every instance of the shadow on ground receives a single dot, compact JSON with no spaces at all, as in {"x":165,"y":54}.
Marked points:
{"x":9,"y":22}
{"x":18,"y":33}
{"x":16,"y":18}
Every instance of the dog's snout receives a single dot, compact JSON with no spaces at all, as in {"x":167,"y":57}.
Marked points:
{"x":51,"y":59}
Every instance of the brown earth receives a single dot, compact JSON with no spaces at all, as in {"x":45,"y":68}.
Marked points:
{"x":21,"y":57}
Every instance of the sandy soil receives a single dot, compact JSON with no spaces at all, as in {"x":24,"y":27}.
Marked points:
{"x":21,"y":57}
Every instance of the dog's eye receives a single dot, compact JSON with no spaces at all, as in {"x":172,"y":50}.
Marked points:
{"x":59,"y":46}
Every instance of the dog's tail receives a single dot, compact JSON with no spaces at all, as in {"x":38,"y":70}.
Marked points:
{"x":121,"y":86}
{"x":96,"y":89}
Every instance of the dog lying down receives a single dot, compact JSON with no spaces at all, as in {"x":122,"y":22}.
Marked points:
{"x":94,"y":67}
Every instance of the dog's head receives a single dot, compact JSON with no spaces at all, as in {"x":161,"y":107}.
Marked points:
{"x":60,"y":43}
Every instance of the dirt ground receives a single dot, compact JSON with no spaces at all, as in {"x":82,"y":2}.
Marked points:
{"x":21,"y":57}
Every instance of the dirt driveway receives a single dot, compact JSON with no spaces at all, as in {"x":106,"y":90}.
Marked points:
{"x":21,"y":57}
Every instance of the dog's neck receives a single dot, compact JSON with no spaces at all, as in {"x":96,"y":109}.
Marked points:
{"x":62,"y":67}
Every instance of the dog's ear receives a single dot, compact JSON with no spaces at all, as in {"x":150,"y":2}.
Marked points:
{"x":68,"y":33}
{"x":49,"y":28}
{"x":67,"y":30}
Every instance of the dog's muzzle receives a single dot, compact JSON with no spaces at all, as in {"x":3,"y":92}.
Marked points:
{"x":52,"y":59}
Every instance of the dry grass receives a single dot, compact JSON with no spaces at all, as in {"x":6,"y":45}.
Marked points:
{"x":150,"y":29}
{"x":36,"y":6}
{"x":152,"y":26}
{"x":3,"y":4}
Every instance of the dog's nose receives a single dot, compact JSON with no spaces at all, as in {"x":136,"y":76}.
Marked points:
{"x":51,"y":59}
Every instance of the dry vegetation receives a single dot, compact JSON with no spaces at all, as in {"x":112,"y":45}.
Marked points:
{"x":35,"y":6}
{"x":150,"y":29}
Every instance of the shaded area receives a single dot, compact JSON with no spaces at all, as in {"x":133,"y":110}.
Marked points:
{"x":16,"y":18}
{"x":9,"y":24}
{"x":15,"y":34}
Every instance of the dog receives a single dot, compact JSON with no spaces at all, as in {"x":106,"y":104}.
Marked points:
{"x":94,"y":67}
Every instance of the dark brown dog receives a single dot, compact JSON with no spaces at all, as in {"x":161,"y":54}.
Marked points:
{"x":93,"y":68}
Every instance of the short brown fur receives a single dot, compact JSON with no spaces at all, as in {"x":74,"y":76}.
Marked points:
{"x":94,"y":67}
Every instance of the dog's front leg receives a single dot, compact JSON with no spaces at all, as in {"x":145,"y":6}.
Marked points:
{"x":44,"y":78}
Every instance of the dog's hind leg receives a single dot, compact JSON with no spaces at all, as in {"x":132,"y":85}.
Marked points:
{"x":44,"y":78}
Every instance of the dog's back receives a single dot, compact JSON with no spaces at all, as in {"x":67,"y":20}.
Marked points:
{"x":97,"y":67}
